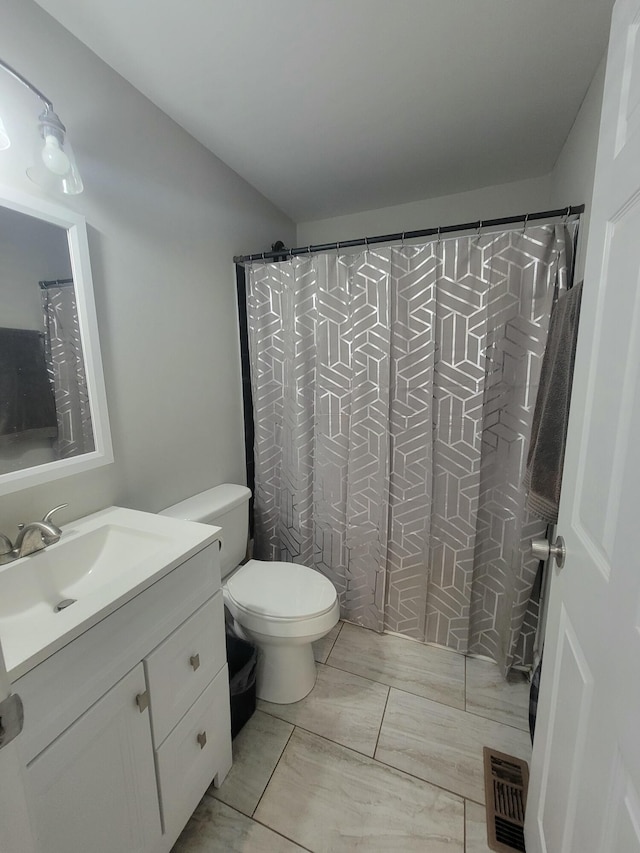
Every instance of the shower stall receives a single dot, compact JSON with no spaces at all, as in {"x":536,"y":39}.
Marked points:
{"x":393,"y":385}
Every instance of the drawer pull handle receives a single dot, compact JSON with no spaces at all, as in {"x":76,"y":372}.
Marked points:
{"x":194,"y":660}
{"x":142,"y":701}
{"x":202,"y":739}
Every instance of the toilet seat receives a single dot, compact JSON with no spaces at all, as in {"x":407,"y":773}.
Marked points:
{"x":281,"y":599}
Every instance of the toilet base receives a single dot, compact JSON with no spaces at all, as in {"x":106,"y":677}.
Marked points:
{"x":285,"y":673}
{"x":286,"y":670}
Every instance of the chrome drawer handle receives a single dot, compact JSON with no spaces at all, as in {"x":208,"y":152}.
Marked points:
{"x":194,"y":660}
{"x":142,"y":701}
{"x":202,"y":739}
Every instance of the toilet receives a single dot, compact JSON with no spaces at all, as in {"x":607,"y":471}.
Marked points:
{"x":281,"y":607}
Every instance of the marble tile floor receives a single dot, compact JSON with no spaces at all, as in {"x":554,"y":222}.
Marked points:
{"x":384,"y":755}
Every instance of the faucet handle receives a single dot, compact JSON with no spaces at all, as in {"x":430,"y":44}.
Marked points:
{"x":47,"y":517}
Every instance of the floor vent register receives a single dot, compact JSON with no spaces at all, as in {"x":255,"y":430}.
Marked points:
{"x":506,"y":780}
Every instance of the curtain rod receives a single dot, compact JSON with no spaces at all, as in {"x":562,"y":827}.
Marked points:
{"x":56,"y":282}
{"x":411,"y":235}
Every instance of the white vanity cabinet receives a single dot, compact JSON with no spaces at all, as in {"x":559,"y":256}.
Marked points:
{"x":94,"y":787}
{"x":127,"y":725}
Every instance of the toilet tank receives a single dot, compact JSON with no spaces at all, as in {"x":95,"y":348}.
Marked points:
{"x":225,"y":506}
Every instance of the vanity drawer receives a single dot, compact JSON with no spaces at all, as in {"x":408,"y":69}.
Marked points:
{"x":186,"y":762}
{"x":180,"y":668}
{"x":61,"y":688}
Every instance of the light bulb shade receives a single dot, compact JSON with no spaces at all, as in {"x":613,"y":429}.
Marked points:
{"x":53,"y":165}
{"x":5,"y":142}
{"x":54,"y":157}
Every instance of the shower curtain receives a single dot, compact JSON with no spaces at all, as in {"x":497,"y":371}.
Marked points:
{"x":65,"y":363}
{"x":393,"y":394}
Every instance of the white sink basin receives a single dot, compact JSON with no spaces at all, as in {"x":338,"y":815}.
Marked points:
{"x":100,"y":562}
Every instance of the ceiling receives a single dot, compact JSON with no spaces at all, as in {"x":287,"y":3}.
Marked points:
{"x":336,"y":106}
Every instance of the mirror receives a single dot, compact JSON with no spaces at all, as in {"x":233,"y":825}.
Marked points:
{"x":53,"y":412}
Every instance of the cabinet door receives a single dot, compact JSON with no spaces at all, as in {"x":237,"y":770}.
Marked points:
{"x":94,"y":787}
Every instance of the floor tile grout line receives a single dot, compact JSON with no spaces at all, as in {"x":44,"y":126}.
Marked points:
{"x":377,"y":760}
{"x":388,"y":766}
{"x":465,"y":710}
{"x":324,"y":737}
{"x":392,"y":686}
{"x":523,"y":728}
{"x":406,"y":692}
{"x":449,"y":791}
{"x":328,"y":666}
{"x":384,"y":711}
{"x":274,"y":768}
{"x":335,"y":640}
{"x":465,"y":683}
{"x":464,"y":825}
{"x":266,"y":826}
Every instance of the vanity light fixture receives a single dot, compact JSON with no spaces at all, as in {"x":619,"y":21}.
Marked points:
{"x":54,"y":166}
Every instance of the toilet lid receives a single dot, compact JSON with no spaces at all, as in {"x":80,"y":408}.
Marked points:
{"x":282,"y":590}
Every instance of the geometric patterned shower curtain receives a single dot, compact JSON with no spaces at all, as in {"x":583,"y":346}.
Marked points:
{"x":65,"y":363}
{"x":393,"y":395}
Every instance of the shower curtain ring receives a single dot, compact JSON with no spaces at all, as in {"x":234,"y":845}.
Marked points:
{"x":439,"y":235}
{"x":479,"y":228}
{"x":526,"y":219}
{"x":566,"y":216}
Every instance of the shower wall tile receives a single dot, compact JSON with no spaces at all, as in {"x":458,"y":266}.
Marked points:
{"x":427,"y":671}
{"x":443,"y":745}
{"x":333,"y":800}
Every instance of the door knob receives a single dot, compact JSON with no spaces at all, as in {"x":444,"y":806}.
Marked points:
{"x":543,"y":550}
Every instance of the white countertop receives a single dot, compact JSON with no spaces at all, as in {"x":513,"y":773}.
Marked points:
{"x":126,"y":551}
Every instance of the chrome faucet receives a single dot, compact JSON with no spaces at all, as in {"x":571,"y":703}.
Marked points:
{"x":32,"y":537}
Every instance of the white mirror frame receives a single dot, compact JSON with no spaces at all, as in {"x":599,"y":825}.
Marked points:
{"x":75,"y":226}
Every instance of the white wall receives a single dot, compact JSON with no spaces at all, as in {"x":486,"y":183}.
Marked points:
{"x":165,"y":218}
{"x":573,"y":174}
{"x":487,"y":203}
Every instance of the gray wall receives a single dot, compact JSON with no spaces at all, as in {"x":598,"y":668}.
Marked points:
{"x":165,"y":218}
{"x":570,"y":182}
{"x":573,"y":174}
{"x":487,"y":203}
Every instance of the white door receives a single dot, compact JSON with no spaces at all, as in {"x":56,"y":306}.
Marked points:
{"x":584,"y":794}
{"x":15,"y":828}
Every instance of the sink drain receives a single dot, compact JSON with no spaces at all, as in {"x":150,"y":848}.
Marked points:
{"x":66,"y":602}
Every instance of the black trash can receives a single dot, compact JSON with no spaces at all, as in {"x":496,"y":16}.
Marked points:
{"x":242,"y":658}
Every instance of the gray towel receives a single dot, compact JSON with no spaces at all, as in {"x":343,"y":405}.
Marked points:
{"x":543,"y":476}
